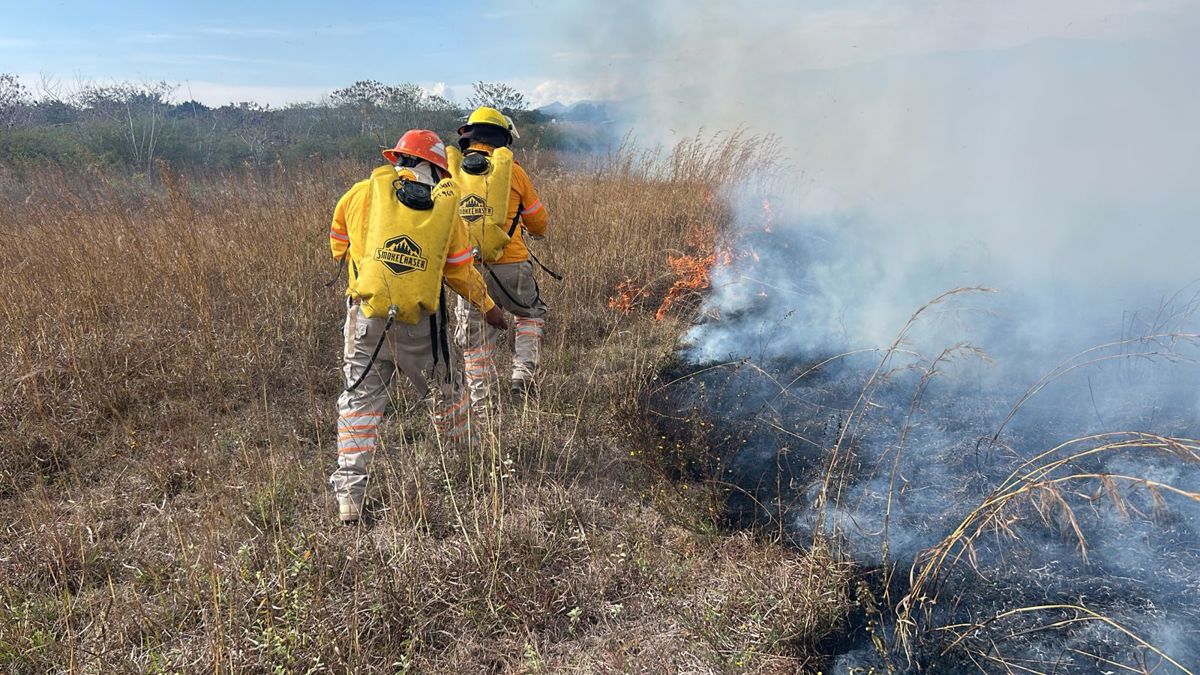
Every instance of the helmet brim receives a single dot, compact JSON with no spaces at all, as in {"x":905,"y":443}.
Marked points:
{"x":465,"y":130}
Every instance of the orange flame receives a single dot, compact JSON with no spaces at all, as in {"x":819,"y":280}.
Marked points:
{"x":690,"y":270}
{"x":691,"y":275}
{"x":627,"y":296}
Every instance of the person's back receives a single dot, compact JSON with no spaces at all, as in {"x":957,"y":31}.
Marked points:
{"x":508,"y":272}
{"x":400,"y":234}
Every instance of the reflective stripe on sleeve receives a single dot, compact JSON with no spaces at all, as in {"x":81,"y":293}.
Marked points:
{"x":461,"y":257}
{"x":334,"y":234}
{"x":533,"y":208}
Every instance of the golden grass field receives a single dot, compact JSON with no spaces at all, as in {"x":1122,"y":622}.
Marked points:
{"x":170,"y":369}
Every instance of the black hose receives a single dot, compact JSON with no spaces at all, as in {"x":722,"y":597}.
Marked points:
{"x":338,"y":273}
{"x":521,"y":305}
{"x":374,"y":354}
{"x":438,"y":337}
{"x":443,"y":334}
{"x":547,"y":270}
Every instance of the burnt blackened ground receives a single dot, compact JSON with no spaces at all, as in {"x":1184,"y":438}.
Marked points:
{"x":727,"y":422}
{"x":767,"y":430}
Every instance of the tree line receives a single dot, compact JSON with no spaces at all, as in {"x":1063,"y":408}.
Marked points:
{"x":136,"y":124}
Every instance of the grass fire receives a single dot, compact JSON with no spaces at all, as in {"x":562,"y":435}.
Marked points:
{"x":854,"y":339}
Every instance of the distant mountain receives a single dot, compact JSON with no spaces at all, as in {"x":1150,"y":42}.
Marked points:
{"x":553,"y":109}
{"x":580,"y":111}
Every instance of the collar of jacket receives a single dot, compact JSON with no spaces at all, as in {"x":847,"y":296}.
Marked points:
{"x":481,"y":147}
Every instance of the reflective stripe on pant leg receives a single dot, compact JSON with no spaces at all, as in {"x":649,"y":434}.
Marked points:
{"x":479,"y":364}
{"x":527,"y":348}
{"x":478,"y":342}
{"x":360,"y":412}
{"x":480,"y":370}
{"x":357,"y":440}
{"x":357,"y":431}
{"x":451,"y":417}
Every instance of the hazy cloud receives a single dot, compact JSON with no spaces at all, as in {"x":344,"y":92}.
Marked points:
{"x":566,"y":91}
{"x":438,"y":89}
{"x":507,"y":13}
{"x":670,"y":38}
{"x":238,"y":31}
{"x":17,"y":43}
{"x":155,"y":38}
{"x":217,"y":93}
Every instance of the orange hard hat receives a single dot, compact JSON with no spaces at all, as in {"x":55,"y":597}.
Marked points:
{"x":422,"y":144}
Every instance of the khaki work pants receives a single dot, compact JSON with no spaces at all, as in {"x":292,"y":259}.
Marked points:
{"x":515,"y":290}
{"x":408,"y":349}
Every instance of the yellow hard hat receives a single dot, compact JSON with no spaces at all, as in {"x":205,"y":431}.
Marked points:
{"x":486,"y":115}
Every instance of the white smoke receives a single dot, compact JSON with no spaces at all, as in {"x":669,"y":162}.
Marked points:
{"x":1045,"y":149}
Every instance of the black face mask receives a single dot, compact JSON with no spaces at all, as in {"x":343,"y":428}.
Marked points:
{"x":414,"y":195}
{"x":476,"y":164}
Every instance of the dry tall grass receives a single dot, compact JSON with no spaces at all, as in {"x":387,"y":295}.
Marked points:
{"x":166,"y":427}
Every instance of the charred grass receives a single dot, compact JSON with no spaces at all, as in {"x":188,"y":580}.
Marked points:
{"x":166,"y":426}
{"x":1015,"y":570}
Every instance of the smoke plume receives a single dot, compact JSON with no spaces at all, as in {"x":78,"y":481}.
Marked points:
{"x":1042,"y":158}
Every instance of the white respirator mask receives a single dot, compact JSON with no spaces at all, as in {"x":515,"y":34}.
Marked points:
{"x":422,"y":172}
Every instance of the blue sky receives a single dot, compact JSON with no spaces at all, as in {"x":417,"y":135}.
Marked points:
{"x":277,"y":52}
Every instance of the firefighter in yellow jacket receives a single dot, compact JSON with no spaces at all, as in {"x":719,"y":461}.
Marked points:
{"x":400,"y":235}
{"x":500,"y":207}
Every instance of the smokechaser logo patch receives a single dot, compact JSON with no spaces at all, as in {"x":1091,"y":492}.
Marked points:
{"x":473,"y":207}
{"x":401,"y":255}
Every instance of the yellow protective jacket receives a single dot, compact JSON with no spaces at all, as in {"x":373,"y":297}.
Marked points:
{"x":524,"y":200}
{"x":348,"y":235}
